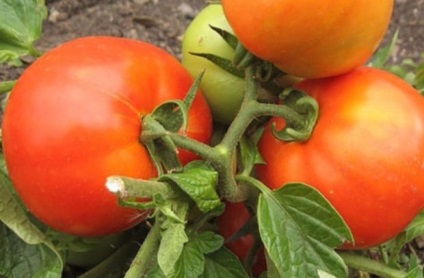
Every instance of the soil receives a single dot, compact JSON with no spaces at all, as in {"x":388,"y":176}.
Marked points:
{"x":162,"y":22}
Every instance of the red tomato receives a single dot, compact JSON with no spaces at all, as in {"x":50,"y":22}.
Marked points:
{"x":365,"y":155}
{"x":231,"y":221}
{"x":73,"y":119}
{"x":310,"y":38}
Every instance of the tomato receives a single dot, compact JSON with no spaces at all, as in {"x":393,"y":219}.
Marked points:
{"x":73,"y":119}
{"x":235,"y":216}
{"x":310,"y":38}
{"x":365,"y":155}
{"x":223,"y":91}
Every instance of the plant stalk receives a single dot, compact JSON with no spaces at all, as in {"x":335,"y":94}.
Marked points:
{"x":371,"y":266}
{"x":147,"y":254}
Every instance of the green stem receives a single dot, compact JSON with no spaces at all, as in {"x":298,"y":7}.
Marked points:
{"x":130,"y":187}
{"x":252,"y":182}
{"x":146,"y":256}
{"x":371,"y":266}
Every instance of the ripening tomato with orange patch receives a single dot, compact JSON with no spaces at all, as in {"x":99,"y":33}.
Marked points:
{"x":365,"y":154}
{"x":309,"y":38}
{"x":74,"y":118}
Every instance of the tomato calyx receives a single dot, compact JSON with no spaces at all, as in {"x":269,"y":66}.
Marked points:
{"x":169,"y":117}
{"x":300,"y":120}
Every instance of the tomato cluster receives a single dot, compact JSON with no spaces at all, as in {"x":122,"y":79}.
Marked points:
{"x":356,"y":155}
{"x":75,"y":118}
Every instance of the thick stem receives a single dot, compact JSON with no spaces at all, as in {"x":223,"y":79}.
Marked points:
{"x":129,"y":187}
{"x":146,"y":256}
{"x":371,"y":266}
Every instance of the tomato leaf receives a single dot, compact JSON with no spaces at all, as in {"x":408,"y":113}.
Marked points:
{"x":209,"y":242}
{"x":20,"y":26}
{"x":198,"y":180}
{"x":223,"y":263}
{"x":21,"y":260}
{"x":24,"y":234}
{"x":299,"y":229}
{"x":13,"y":215}
{"x":414,"y":229}
{"x":171,"y":247}
{"x":191,"y":261}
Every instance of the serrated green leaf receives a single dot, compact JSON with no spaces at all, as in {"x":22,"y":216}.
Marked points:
{"x":20,"y":26}
{"x":21,"y":260}
{"x":223,"y":263}
{"x":171,"y":247}
{"x":300,"y":230}
{"x":209,"y":242}
{"x":198,"y":180}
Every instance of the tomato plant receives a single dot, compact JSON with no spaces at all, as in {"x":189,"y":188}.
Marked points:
{"x":74,"y":118}
{"x":230,"y":224}
{"x":222,"y":90}
{"x":310,"y":38}
{"x":365,"y":154}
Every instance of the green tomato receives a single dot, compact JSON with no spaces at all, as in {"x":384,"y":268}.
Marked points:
{"x":223,"y":91}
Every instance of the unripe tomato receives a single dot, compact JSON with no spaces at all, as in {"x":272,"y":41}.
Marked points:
{"x":310,"y":38}
{"x":365,"y":155}
{"x":74,"y":118}
{"x":223,"y":91}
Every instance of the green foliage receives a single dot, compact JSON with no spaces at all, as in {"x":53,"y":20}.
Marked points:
{"x":20,"y":27}
{"x":300,"y":231}
{"x":24,"y":249}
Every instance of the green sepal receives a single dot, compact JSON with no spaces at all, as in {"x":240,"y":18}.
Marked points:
{"x":228,"y":37}
{"x":306,"y":107}
{"x":223,"y":63}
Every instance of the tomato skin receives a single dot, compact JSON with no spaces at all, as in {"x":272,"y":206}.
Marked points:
{"x":223,"y":91}
{"x":365,"y":155}
{"x":232,"y":220}
{"x":310,"y":38}
{"x":73,"y":119}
